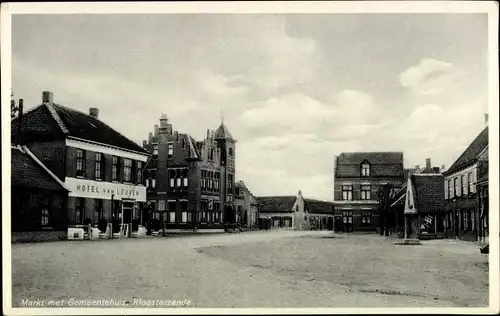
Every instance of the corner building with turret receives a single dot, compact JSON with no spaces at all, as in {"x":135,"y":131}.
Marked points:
{"x":190,"y":184}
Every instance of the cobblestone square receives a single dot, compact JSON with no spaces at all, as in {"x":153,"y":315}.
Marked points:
{"x":253,"y":270}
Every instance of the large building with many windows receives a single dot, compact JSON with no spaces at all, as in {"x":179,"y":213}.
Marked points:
{"x":101,"y":168}
{"x":462,"y":211}
{"x":358,"y":177}
{"x":190,"y":184}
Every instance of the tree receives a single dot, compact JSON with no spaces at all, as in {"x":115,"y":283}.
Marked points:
{"x":14,"y":108}
{"x":384,"y":199}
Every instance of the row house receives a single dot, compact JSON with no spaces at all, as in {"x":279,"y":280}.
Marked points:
{"x":296,"y":212}
{"x":190,"y":184}
{"x":461,"y":201}
{"x":101,"y":168}
{"x":38,"y":199}
{"x":358,"y":179}
{"x":246,"y":206}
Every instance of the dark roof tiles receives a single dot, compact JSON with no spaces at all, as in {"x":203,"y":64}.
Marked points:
{"x":429,"y":193}
{"x":470,"y":155}
{"x":276,"y":204}
{"x":26,"y":172}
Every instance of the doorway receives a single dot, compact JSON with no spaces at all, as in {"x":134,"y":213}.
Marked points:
{"x":456,"y":226}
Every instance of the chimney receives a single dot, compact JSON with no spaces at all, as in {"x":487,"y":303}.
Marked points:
{"x":443,"y":168}
{"x":300,"y":193}
{"x":156,"y":129}
{"x":176,"y":136}
{"x":20,"y":122}
{"x":150,"y":137}
{"x":94,"y":112}
{"x":144,"y":143}
{"x":47,"y":97}
{"x":428,"y":162}
{"x":417,"y":167}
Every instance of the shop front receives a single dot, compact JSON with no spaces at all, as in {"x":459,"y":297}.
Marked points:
{"x":115,"y":209}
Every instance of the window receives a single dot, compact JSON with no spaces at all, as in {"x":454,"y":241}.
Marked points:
{"x":184,"y":178}
{"x":456,"y":186}
{"x":171,"y":176}
{"x":127,"y":170}
{"x":230,"y":181}
{"x":211,"y":154}
{"x":99,"y":166}
{"x":347,"y":217}
{"x":230,"y":151}
{"x":161,"y":205}
{"x":366,"y":217}
{"x":98,"y":211}
{"x":189,"y":217}
{"x":450,"y":189}
{"x":153,"y":183}
{"x":45,"y":217}
{"x":115,"y":171}
{"x":365,"y":170}
{"x":170,"y":150}
{"x":464,"y":185}
{"x":184,"y":217}
{"x":183,"y":142}
{"x":80,"y":163}
{"x":216,"y":217}
{"x":179,"y":182}
{"x":139,"y":172}
{"x":365,"y":192}
{"x":471,"y":183}
{"x":147,"y":183}
{"x":347,"y":192}
{"x":172,"y":217}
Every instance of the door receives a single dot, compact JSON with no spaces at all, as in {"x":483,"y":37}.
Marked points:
{"x":456,"y":226}
{"x":338,"y":225}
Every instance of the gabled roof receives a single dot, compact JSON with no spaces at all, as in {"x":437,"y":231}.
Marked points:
{"x":222,"y":132}
{"x":470,"y":155}
{"x":374,"y":158}
{"x":428,"y":192}
{"x":54,"y":120}
{"x":276,"y":204}
{"x":382,"y":164}
{"x":318,"y":207}
{"x":29,"y":172}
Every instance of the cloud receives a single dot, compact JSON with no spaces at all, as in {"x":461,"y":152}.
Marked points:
{"x":430,"y":76}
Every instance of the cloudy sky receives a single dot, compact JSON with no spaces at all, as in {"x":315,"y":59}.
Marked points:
{"x":295,"y":90}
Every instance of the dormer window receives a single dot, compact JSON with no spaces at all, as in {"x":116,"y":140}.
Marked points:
{"x":365,"y":170}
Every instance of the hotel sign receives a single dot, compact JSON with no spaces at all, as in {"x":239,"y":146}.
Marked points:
{"x":104,"y":190}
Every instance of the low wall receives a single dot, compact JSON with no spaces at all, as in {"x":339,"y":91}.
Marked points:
{"x":38,"y":236}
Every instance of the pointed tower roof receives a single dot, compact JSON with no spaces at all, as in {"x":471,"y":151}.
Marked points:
{"x":222,"y":132}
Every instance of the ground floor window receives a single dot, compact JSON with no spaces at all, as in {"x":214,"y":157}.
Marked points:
{"x":171,"y":217}
{"x":184,"y":217}
{"x":347,"y":217}
{"x":45,"y":217}
{"x":98,"y":211}
{"x":189,"y":217}
{"x":428,"y":224}
{"x":276,"y":223}
{"x":366,"y":217}
{"x":216,"y":217}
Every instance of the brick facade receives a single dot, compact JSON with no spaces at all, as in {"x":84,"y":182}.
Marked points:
{"x":189,"y":178}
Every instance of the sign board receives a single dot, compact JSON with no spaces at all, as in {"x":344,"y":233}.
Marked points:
{"x":104,"y":190}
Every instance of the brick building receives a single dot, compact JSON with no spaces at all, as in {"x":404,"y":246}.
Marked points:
{"x":190,"y":184}
{"x":460,"y":190}
{"x":101,"y":168}
{"x":296,"y":212}
{"x":358,"y":177}
{"x":38,"y":199}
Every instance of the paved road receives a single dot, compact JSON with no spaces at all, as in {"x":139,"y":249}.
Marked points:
{"x":176,"y":269}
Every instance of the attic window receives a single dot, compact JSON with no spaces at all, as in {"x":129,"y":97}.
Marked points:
{"x":365,"y":170}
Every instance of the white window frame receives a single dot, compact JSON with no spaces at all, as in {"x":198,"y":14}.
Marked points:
{"x":170,"y":149}
{"x":171,"y":217}
{"x":147,"y":183}
{"x":172,"y":182}
{"x":365,"y":170}
{"x":161,"y":205}
{"x":153,"y":183}
{"x":185,"y":182}
{"x":184,"y":217}
{"x":179,"y":182}
{"x":365,"y":194}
